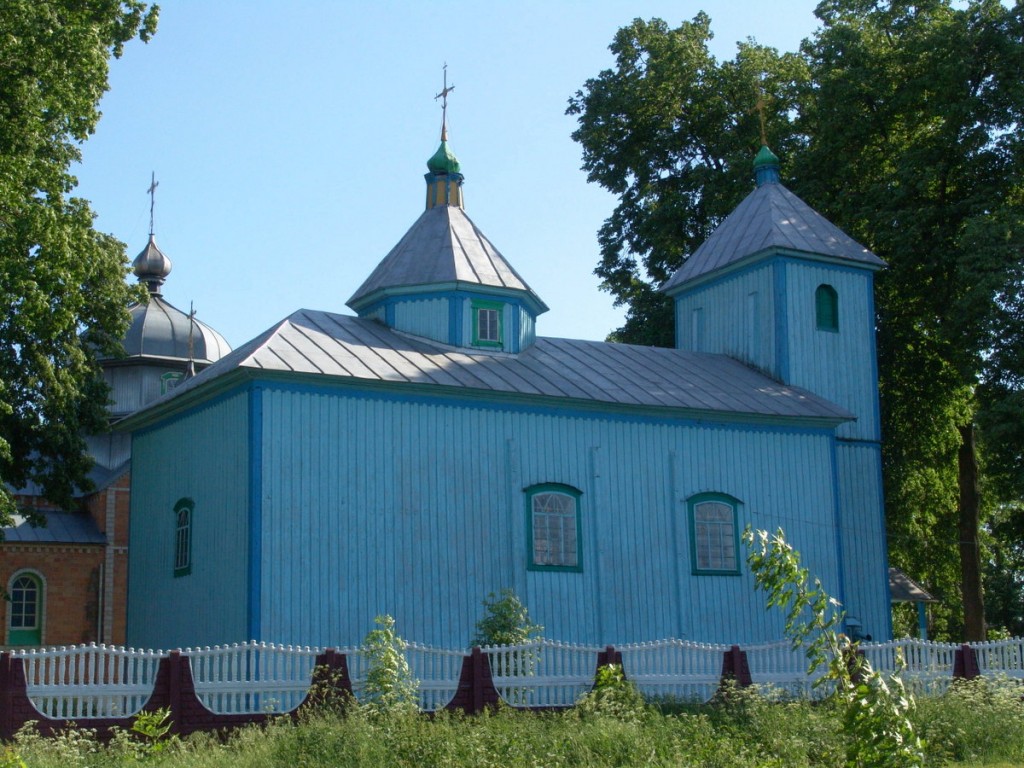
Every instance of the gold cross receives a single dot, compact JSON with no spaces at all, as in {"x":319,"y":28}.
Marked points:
{"x":443,"y":95}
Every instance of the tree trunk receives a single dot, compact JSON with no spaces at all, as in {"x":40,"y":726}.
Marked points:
{"x":970,"y":554}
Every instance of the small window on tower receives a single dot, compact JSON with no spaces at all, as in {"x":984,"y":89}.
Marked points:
{"x":487,"y":323}
{"x":826,"y":303}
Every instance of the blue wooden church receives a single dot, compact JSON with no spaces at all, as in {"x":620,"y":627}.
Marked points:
{"x":433,"y":448}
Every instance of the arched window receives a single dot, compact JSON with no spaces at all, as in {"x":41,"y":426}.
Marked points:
{"x":183,"y":537}
{"x":826,"y":305}
{"x":553,"y":527}
{"x":25,"y":609}
{"x":714,"y":534}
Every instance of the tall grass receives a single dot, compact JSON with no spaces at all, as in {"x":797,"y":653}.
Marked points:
{"x":980,"y":723}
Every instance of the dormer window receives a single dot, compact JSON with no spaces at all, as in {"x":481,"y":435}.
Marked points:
{"x":487,"y":331}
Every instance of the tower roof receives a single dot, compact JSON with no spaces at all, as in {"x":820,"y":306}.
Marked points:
{"x":161,"y":330}
{"x":444,"y":160}
{"x":442,"y":248}
{"x":770,"y":218}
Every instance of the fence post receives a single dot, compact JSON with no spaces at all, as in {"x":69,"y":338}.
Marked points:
{"x":735,"y":667}
{"x":174,"y":691}
{"x":476,"y":684}
{"x":606,"y":658}
{"x":965,"y":663}
{"x":6,"y":726}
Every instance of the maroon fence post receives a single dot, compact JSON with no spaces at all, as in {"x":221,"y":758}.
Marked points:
{"x":476,"y":684}
{"x":735,"y":667}
{"x":6,"y":726}
{"x":174,"y":692}
{"x":965,"y":663}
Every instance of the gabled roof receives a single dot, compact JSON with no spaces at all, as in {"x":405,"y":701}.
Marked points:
{"x":344,"y":347}
{"x":770,"y":217}
{"x":443,"y":247}
{"x":61,"y":528}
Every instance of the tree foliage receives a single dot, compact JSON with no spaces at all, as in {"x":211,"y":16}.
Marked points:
{"x":672,"y":131}
{"x":62,"y":285}
{"x":900,"y":122}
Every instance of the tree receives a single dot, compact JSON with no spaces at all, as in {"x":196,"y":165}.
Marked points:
{"x":901,"y":122}
{"x":62,"y":286}
{"x":915,"y":149}
{"x":672,"y":131}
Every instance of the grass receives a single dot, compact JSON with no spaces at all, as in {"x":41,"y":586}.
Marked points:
{"x":978,"y":724}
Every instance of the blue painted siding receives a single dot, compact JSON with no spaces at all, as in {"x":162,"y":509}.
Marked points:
{"x":415,"y":509}
{"x":527,"y":331}
{"x":425,"y":317}
{"x":736,"y":318}
{"x":202,"y":456}
{"x":838,"y":366}
{"x":863,"y":536}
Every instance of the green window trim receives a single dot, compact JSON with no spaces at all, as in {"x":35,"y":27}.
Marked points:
{"x":826,"y":308}
{"x":488,"y":323}
{"x":170,"y":380}
{"x":714,"y":534}
{"x":183,"y":537}
{"x":554,"y":529}
{"x":25,"y":608}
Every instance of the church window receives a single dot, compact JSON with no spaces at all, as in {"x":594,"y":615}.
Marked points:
{"x":553,"y":527}
{"x":826,"y":304}
{"x":183,"y":537}
{"x":714,"y":534}
{"x":170,"y":380}
{"x":25,"y":609}
{"x":487,"y":323}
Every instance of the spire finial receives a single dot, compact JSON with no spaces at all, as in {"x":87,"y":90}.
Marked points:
{"x":443,"y":95}
{"x":190,"y":371}
{"x":152,"y":199}
{"x":760,"y":106}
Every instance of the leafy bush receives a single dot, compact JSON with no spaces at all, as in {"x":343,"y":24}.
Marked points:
{"x":390,"y":687}
{"x":613,"y":696}
{"x":506,"y":621}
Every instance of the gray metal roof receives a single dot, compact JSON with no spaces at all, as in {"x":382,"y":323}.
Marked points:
{"x":159,"y":329}
{"x":61,"y":528}
{"x":322,"y":343}
{"x":770,"y":217}
{"x":443,"y":246}
{"x":903,"y":589}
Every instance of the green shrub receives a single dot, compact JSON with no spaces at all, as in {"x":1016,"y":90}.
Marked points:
{"x":506,"y":622}
{"x":390,"y":687}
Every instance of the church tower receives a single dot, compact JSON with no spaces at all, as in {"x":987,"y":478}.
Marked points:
{"x":785,"y":291}
{"x":444,"y":280}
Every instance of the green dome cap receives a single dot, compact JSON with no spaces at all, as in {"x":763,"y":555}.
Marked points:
{"x":766,"y":167}
{"x":765,"y":157}
{"x":444,"y":160}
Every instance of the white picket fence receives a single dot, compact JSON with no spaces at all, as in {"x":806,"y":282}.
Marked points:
{"x":94,"y":681}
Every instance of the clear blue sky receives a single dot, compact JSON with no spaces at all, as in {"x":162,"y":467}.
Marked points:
{"x":290,"y":141}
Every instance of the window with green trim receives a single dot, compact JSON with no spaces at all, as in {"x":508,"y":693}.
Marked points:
{"x":826,"y":306}
{"x":170,"y":380}
{"x":714,"y":534}
{"x":183,"y":537}
{"x":487,"y":330}
{"x":553,"y":527}
{"x":25,"y":609}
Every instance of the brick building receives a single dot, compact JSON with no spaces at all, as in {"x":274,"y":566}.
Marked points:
{"x":67,"y":582}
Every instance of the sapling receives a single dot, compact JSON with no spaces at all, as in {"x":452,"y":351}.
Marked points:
{"x":876,"y":707}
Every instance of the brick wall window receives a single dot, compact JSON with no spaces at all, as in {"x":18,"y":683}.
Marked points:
{"x":25,"y":609}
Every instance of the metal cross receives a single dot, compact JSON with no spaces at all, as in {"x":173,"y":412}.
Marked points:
{"x":759,"y":107}
{"x":443,"y":95}
{"x":152,"y":199}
